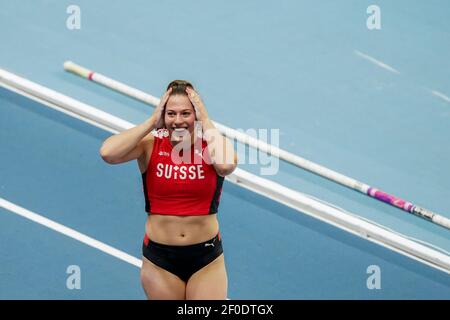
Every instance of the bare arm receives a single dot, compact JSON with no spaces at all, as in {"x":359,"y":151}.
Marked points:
{"x":220,"y":149}
{"x":129,"y":145}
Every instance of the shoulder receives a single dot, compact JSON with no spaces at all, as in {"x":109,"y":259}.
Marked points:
{"x":154,"y":135}
{"x":146,"y":145}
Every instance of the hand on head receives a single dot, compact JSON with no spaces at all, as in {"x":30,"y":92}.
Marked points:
{"x":159,"y":111}
{"x":199,"y":107}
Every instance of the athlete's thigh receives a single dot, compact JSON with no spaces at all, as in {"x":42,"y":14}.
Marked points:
{"x":160,"y":284}
{"x":209,"y":283}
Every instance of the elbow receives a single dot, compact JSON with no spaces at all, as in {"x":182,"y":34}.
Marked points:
{"x":106,"y":156}
{"x":226,"y":170}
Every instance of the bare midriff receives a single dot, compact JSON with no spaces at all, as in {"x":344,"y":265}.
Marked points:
{"x":181,"y":230}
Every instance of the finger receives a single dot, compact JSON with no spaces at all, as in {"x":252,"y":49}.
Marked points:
{"x":191,"y":97}
{"x":194,"y":97}
{"x":165,"y":97}
{"x":191,"y":92}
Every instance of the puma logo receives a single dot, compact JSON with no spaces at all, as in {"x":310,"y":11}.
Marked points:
{"x":209,"y":244}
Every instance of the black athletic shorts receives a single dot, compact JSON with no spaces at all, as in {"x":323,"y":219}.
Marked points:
{"x":182,"y":261}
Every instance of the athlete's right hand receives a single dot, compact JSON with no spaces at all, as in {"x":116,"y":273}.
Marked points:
{"x":159,"y":111}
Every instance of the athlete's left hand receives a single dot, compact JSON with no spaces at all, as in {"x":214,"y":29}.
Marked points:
{"x":199,"y":107}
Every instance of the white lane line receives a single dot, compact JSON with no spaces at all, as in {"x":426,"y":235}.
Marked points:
{"x":376,"y":62}
{"x":70,"y":232}
{"x":440,"y":95}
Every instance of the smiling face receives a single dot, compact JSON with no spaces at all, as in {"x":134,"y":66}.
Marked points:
{"x":179,"y":117}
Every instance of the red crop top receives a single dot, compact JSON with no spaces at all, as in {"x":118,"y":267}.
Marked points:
{"x":183,"y":188}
